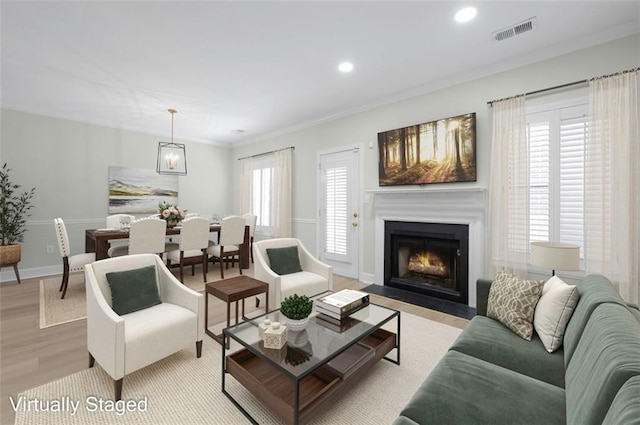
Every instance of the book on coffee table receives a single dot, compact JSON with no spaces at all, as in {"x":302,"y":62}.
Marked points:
{"x":340,"y":316}
{"x":335,"y":324}
{"x":342,"y":303}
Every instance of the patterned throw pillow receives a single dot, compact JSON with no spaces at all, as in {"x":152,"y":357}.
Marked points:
{"x":512,"y":301}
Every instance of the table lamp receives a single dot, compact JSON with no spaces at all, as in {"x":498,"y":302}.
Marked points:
{"x":555,"y":256}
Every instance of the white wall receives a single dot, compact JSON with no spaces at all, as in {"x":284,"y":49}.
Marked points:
{"x":67,"y":161}
{"x":68,"y":164}
{"x":460,"y":99}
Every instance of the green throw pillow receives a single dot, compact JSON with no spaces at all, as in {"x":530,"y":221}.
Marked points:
{"x":284,"y":260}
{"x":512,"y":301}
{"x":133,"y":290}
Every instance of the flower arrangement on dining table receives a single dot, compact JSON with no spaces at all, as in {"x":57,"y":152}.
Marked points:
{"x":171,"y":213}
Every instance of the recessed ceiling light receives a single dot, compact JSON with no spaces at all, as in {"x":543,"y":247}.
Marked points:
{"x":345,"y":67}
{"x":466,"y":14}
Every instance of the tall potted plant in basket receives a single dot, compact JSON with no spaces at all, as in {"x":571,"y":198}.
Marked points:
{"x":14,"y":210}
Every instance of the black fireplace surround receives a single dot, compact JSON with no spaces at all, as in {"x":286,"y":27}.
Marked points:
{"x":428,"y":258}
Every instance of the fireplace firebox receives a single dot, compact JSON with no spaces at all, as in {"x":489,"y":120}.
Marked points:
{"x":428,"y":258}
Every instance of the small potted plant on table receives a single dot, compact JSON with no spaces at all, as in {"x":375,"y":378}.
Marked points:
{"x":296,"y":309}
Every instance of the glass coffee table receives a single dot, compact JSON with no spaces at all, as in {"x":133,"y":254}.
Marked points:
{"x":316,"y":364}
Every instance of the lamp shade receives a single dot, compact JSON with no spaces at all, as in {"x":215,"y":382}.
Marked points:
{"x":555,"y":255}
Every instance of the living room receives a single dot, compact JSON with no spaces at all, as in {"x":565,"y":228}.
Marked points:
{"x":67,"y":160}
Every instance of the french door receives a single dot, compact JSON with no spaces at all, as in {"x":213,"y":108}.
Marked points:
{"x":338,"y":213}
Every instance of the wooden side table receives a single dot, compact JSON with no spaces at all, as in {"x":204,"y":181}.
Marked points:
{"x":232,"y":290}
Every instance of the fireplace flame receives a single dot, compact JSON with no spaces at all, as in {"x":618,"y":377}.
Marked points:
{"x":428,"y":263}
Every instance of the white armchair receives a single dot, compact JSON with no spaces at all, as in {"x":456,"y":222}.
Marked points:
{"x":124,"y":344}
{"x":315,"y":277}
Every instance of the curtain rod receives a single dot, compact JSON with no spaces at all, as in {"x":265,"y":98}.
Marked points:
{"x":267,"y":153}
{"x":562,"y":86}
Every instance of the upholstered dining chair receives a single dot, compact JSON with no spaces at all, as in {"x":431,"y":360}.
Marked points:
{"x":70,"y":263}
{"x":194,"y":241}
{"x":114,"y":221}
{"x":146,"y":236}
{"x":251,"y":220}
{"x":231,"y":237}
{"x":289,"y":268}
{"x":137,"y":314}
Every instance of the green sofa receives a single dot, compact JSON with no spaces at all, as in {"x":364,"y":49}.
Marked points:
{"x":492,"y":376}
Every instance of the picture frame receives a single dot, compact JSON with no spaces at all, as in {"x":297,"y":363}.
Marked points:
{"x":139,"y":191}
{"x":440,"y":151}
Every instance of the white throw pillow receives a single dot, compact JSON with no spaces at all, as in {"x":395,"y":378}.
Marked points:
{"x":553,"y":312}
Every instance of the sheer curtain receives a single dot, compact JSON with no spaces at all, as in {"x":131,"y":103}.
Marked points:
{"x":509,"y":189}
{"x":282,"y":193}
{"x":611,"y":182}
{"x":244,"y":200}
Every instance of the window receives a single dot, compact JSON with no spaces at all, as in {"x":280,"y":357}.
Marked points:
{"x":261,"y":192}
{"x":556,"y":135}
{"x":336,"y":209}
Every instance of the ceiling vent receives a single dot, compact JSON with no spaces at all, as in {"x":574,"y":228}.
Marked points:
{"x":516,"y":29}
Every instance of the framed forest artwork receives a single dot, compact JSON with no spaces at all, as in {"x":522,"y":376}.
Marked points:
{"x":441,"y":151}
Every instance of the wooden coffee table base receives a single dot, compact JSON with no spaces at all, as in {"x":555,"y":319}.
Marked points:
{"x":298,"y":401}
{"x":232,"y":290}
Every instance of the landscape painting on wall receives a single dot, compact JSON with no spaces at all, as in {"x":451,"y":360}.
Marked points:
{"x":439,"y":151}
{"x":139,"y":191}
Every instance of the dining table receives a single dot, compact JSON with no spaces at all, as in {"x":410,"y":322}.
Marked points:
{"x":97,"y":240}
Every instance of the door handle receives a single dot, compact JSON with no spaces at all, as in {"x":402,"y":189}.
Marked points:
{"x":355,"y":215}
{"x":354,"y":224}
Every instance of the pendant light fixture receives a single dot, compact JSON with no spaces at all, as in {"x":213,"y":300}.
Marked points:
{"x":172,"y":157}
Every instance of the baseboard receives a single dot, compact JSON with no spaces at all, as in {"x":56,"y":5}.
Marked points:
{"x":367,"y":278}
{"x":7,"y":275}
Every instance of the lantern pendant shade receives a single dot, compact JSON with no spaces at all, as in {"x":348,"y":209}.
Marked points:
{"x":172,"y":157}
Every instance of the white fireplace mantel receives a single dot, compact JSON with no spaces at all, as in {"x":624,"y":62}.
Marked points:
{"x":456,"y":206}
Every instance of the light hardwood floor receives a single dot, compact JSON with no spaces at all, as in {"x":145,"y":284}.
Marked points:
{"x":30,"y":356}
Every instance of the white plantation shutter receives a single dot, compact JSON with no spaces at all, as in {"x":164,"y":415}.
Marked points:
{"x":573,"y":133}
{"x":556,"y":137}
{"x":336,"y":213}
{"x":539,"y":141}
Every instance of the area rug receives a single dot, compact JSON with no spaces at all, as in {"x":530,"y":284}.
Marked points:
{"x":182,"y":389}
{"x":55,"y":311}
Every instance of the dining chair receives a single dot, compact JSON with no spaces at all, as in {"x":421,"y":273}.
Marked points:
{"x":115,"y":221}
{"x":146,"y":236}
{"x":251,"y":220}
{"x":194,"y":241}
{"x":231,"y":237}
{"x":70,"y":263}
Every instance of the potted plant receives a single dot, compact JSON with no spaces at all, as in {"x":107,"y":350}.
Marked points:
{"x":296,"y":309}
{"x":14,"y":210}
